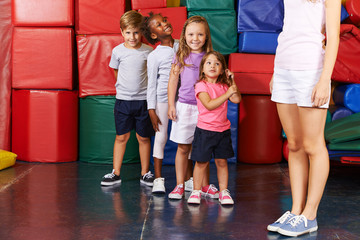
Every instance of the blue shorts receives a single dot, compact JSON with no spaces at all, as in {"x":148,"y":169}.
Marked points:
{"x":131,"y":115}
{"x":210,"y":144}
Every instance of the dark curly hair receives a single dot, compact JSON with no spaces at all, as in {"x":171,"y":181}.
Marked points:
{"x":145,"y":28}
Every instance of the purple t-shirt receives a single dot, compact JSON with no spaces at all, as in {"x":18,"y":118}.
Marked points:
{"x":189,"y":75}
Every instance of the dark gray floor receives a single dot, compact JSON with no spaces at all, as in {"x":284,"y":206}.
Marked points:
{"x":65,"y":201}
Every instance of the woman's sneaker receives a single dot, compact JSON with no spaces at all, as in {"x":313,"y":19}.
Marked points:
{"x":178,"y":192}
{"x":210,"y":191}
{"x":225,"y":198}
{"x":195,"y":197}
{"x":281,"y":221}
{"x":297,"y":226}
{"x":159,"y":185}
{"x":110,"y":179}
{"x":147,"y":179}
{"x":189,"y":185}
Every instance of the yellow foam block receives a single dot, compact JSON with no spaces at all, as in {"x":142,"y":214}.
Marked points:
{"x":173,"y":3}
{"x":7,"y":159}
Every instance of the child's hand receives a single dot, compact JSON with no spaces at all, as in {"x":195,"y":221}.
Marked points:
{"x":172,"y":113}
{"x":271,"y":84}
{"x":232,"y":90}
{"x":154,"y":120}
{"x":229,"y":74}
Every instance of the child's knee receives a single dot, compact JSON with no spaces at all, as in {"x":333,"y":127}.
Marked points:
{"x":143,"y":140}
{"x":184,"y":149}
{"x":221,"y":163}
{"x":122,"y":138}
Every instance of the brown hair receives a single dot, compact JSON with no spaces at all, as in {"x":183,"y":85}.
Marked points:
{"x":131,"y":19}
{"x":222,"y":77}
{"x":184,"y":50}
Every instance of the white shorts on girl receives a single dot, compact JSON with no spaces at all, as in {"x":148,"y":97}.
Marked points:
{"x":183,"y":129}
{"x":295,"y":87}
{"x":161,"y":136}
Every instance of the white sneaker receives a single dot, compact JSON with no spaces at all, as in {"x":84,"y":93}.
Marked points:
{"x":189,"y":185}
{"x":195,"y":197}
{"x":159,"y":185}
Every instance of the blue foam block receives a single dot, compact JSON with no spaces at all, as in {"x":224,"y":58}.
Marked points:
{"x":341,"y":112}
{"x":349,"y":96}
{"x":258,"y":42}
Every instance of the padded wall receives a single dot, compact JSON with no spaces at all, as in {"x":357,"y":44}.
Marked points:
{"x":222,"y":25}
{"x":45,"y":125}
{"x":141,"y":4}
{"x":98,"y":16}
{"x":97,"y":132}
{"x":94,"y":53}
{"x":258,"y":42}
{"x":43,"y":13}
{"x":42,"y":58}
{"x":348,"y":95}
{"x":353,"y":8}
{"x":194,"y":5}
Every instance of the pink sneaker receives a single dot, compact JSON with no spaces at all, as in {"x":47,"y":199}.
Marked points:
{"x":178,"y":192}
{"x":225,"y":198}
{"x":195,"y":197}
{"x":210,"y":191}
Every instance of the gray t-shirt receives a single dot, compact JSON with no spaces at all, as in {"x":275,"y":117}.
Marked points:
{"x":131,"y":81}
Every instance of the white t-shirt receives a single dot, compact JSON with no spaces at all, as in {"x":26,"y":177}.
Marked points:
{"x":131,"y":81}
{"x":300,"y":44}
{"x":158,"y":70}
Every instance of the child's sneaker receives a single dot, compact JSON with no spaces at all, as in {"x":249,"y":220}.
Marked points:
{"x":281,"y":221}
{"x":195,"y":197}
{"x":110,"y":179}
{"x":159,"y":185}
{"x":147,"y":179}
{"x":298,"y":225}
{"x":177,"y":193}
{"x":189,"y":185}
{"x":210,"y":191}
{"x":225,"y":198}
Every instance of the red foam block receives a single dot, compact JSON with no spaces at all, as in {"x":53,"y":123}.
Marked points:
{"x":259,"y":132}
{"x":141,"y":4}
{"x":353,"y":8}
{"x":98,"y":16}
{"x":176,"y":15}
{"x":94,"y":53}
{"x":43,"y":13}
{"x":253,"y":83}
{"x":350,"y":160}
{"x":45,"y":125}
{"x":42,"y":58}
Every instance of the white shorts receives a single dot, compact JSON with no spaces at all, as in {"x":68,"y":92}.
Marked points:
{"x":162,"y":135}
{"x":183,"y":129}
{"x":295,"y":87}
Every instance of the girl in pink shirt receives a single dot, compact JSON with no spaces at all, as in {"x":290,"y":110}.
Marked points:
{"x":212,"y":134}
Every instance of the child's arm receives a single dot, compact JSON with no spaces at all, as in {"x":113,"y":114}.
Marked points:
{"x":116,"y":73}
{"x":211,"y":104}
{"x":152,"y":72}
{"x":236,"y":97}
{"x":172,"y":87}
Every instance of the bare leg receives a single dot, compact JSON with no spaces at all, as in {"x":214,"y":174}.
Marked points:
{"x":298,"y":159}
{"x":189,"y":170}
{"x":157,"y":167}
{"x":119,"y":151}
{"x":199,"y":174}
{"x":144,"y":150}
{"x":181,"y":162}
{"x":313,"y":123}
{"x":222,"y":173}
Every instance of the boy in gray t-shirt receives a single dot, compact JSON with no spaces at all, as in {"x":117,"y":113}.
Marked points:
{"x":129,"y":63}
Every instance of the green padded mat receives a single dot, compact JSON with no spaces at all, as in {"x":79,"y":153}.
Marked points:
{"x":222,"y":28}
{"x":97,"y":132}
{"x":193,"y":5}
{"x":347,"y":146}
{"x":344,"y":129}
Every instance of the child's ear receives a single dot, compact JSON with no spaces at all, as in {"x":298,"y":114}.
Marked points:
{"x":153,"y":36}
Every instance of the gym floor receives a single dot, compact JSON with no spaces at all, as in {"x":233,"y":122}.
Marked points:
{"x":65,"y":201}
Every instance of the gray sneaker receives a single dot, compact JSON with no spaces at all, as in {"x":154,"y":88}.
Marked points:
{"x":189,"y":185}
{"x":159,"y":185}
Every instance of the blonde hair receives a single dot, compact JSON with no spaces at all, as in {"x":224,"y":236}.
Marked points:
{"x":184,"y":50}
{"x":131,"y":19}
{"x":222,"y":78}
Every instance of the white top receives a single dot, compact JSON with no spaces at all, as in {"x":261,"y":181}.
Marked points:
{"x":300,"y":44}
{"x":159,"y":66}
{"x":131,"y":81}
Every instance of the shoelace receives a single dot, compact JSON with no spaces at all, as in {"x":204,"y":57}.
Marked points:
{"x":212,"y":187}
{"x":148,"y":175}
{"x":177,"y":188}
{"x":283,"y":218}
{"x":226,"y":193}
{"x":109,"y":175}
{"x":297,"y":220}
{"x":195,"y":194}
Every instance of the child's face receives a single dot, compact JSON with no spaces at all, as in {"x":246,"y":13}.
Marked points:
{"x":195,"y":36}
{"x":132,"y":37}
{"x":160,"y":27}
{"x":212,"y":67}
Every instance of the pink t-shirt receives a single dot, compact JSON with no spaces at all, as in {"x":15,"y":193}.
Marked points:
{"x":300,"y":44}
{"x":215,"y":120}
